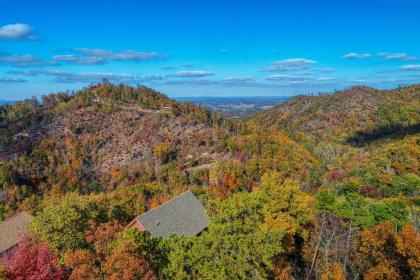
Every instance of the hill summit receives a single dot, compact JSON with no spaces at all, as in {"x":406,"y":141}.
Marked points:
{"x":104,"y":131}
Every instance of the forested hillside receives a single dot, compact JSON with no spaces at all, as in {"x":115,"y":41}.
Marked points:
{"x":319,"y":187}
{"x":371,"y":113}
{"x":98,"y":138}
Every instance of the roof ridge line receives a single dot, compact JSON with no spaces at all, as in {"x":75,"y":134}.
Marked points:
{"x":166,"y":202}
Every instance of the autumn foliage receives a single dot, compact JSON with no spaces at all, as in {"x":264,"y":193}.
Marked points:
{"x":320,"y":187}
{"x":386,"y":253}
{"x":32,"y":260}
{"x":110,"y":256}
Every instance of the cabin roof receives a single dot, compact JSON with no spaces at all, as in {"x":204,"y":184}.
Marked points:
{"x":12,"y":230}
{"x":182,"y":215}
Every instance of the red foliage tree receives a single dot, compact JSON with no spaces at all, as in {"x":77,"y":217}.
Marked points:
{"x":335,"y":175}
{"x":369,"y":191}
{"x":33,"y":261}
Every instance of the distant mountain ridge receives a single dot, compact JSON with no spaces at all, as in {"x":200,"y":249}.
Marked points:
{"x":2,"y":101}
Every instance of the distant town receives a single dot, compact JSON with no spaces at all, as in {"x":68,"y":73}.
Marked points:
{"x":236,"y":107}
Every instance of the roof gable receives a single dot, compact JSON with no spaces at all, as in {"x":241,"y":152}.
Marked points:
{"x":12,"y":230}
{"x":182,"y":215}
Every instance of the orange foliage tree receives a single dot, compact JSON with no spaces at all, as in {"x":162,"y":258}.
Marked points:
{"x":109,"y":256}
{"x":385,"y":253}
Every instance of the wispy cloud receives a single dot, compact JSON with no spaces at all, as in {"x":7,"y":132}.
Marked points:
{"x":381,"y":81}
{"x":88,"y":77}
{"x":239,"y":79}
{"x":8,"y":80}
{"x":397,"y":56}
{"x":295,"y":62}
{"x":224,"y":51}
{"x":136,"y":56}
{"x":273,"y":81}
{"x":299,"y":79}
{"x":290,"y":78}
{"x":326,"y":79}
{"x":17,"y":31}
{"x":94,"y":52}
{"x":390,"y":78}
{"x":412,"y":67}
{"x":227,"y":82}
{"x":357,"y":81}
{"x":85,"y":56}
{"x":121,"y":55}
{"x":357,"y":55}
{"x":324,"y":69}
{"x":193,"y":74}
{"x":84,"y":60}
{"x":290,"y":64}
{"x":25,"y":60}
{"x":203,"y":80}
{"x":188,"y":65}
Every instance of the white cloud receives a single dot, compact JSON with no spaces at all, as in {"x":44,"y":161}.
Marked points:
{"x":88,"y":77}
{"x":88,"y":60}
{"x":325,"y":79}
{"x":290,"y":64}
{"x":412,"y":67}
{"x":94,"y":52}
{"x":359,"y":81}
{"x":8,"y":80}
{"x":17,"y":31}
{"x":199,"y":78}
{"x":295,"y":62}
{"x":137,"y":56}
{"x":398,"y":56}
{"x":325,"y":70}
{"x":122,"y":55}
{"x":239,"y":79}
{"x":25,"y":60}
{"x":227,"y":82}
{"x":100,"y":56}
{"x":357,"y":55}
{"x":290,"y":78}
{"x":193,"y":74}
{"x":187,"y":65}
{"x":277,"y":68}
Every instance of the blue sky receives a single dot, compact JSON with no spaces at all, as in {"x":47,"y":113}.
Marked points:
{"x":208,"y":48}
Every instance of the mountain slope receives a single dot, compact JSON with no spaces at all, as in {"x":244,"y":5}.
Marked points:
{"x":104,"y":135}
{"x":365,"y":140}
{"x":343,"y":113}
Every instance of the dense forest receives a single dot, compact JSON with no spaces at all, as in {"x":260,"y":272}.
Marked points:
{"x":319,"y":187}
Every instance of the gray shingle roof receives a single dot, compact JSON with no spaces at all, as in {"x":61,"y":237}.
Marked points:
{"x":182,"y":215}
{"x":12,"y":230}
